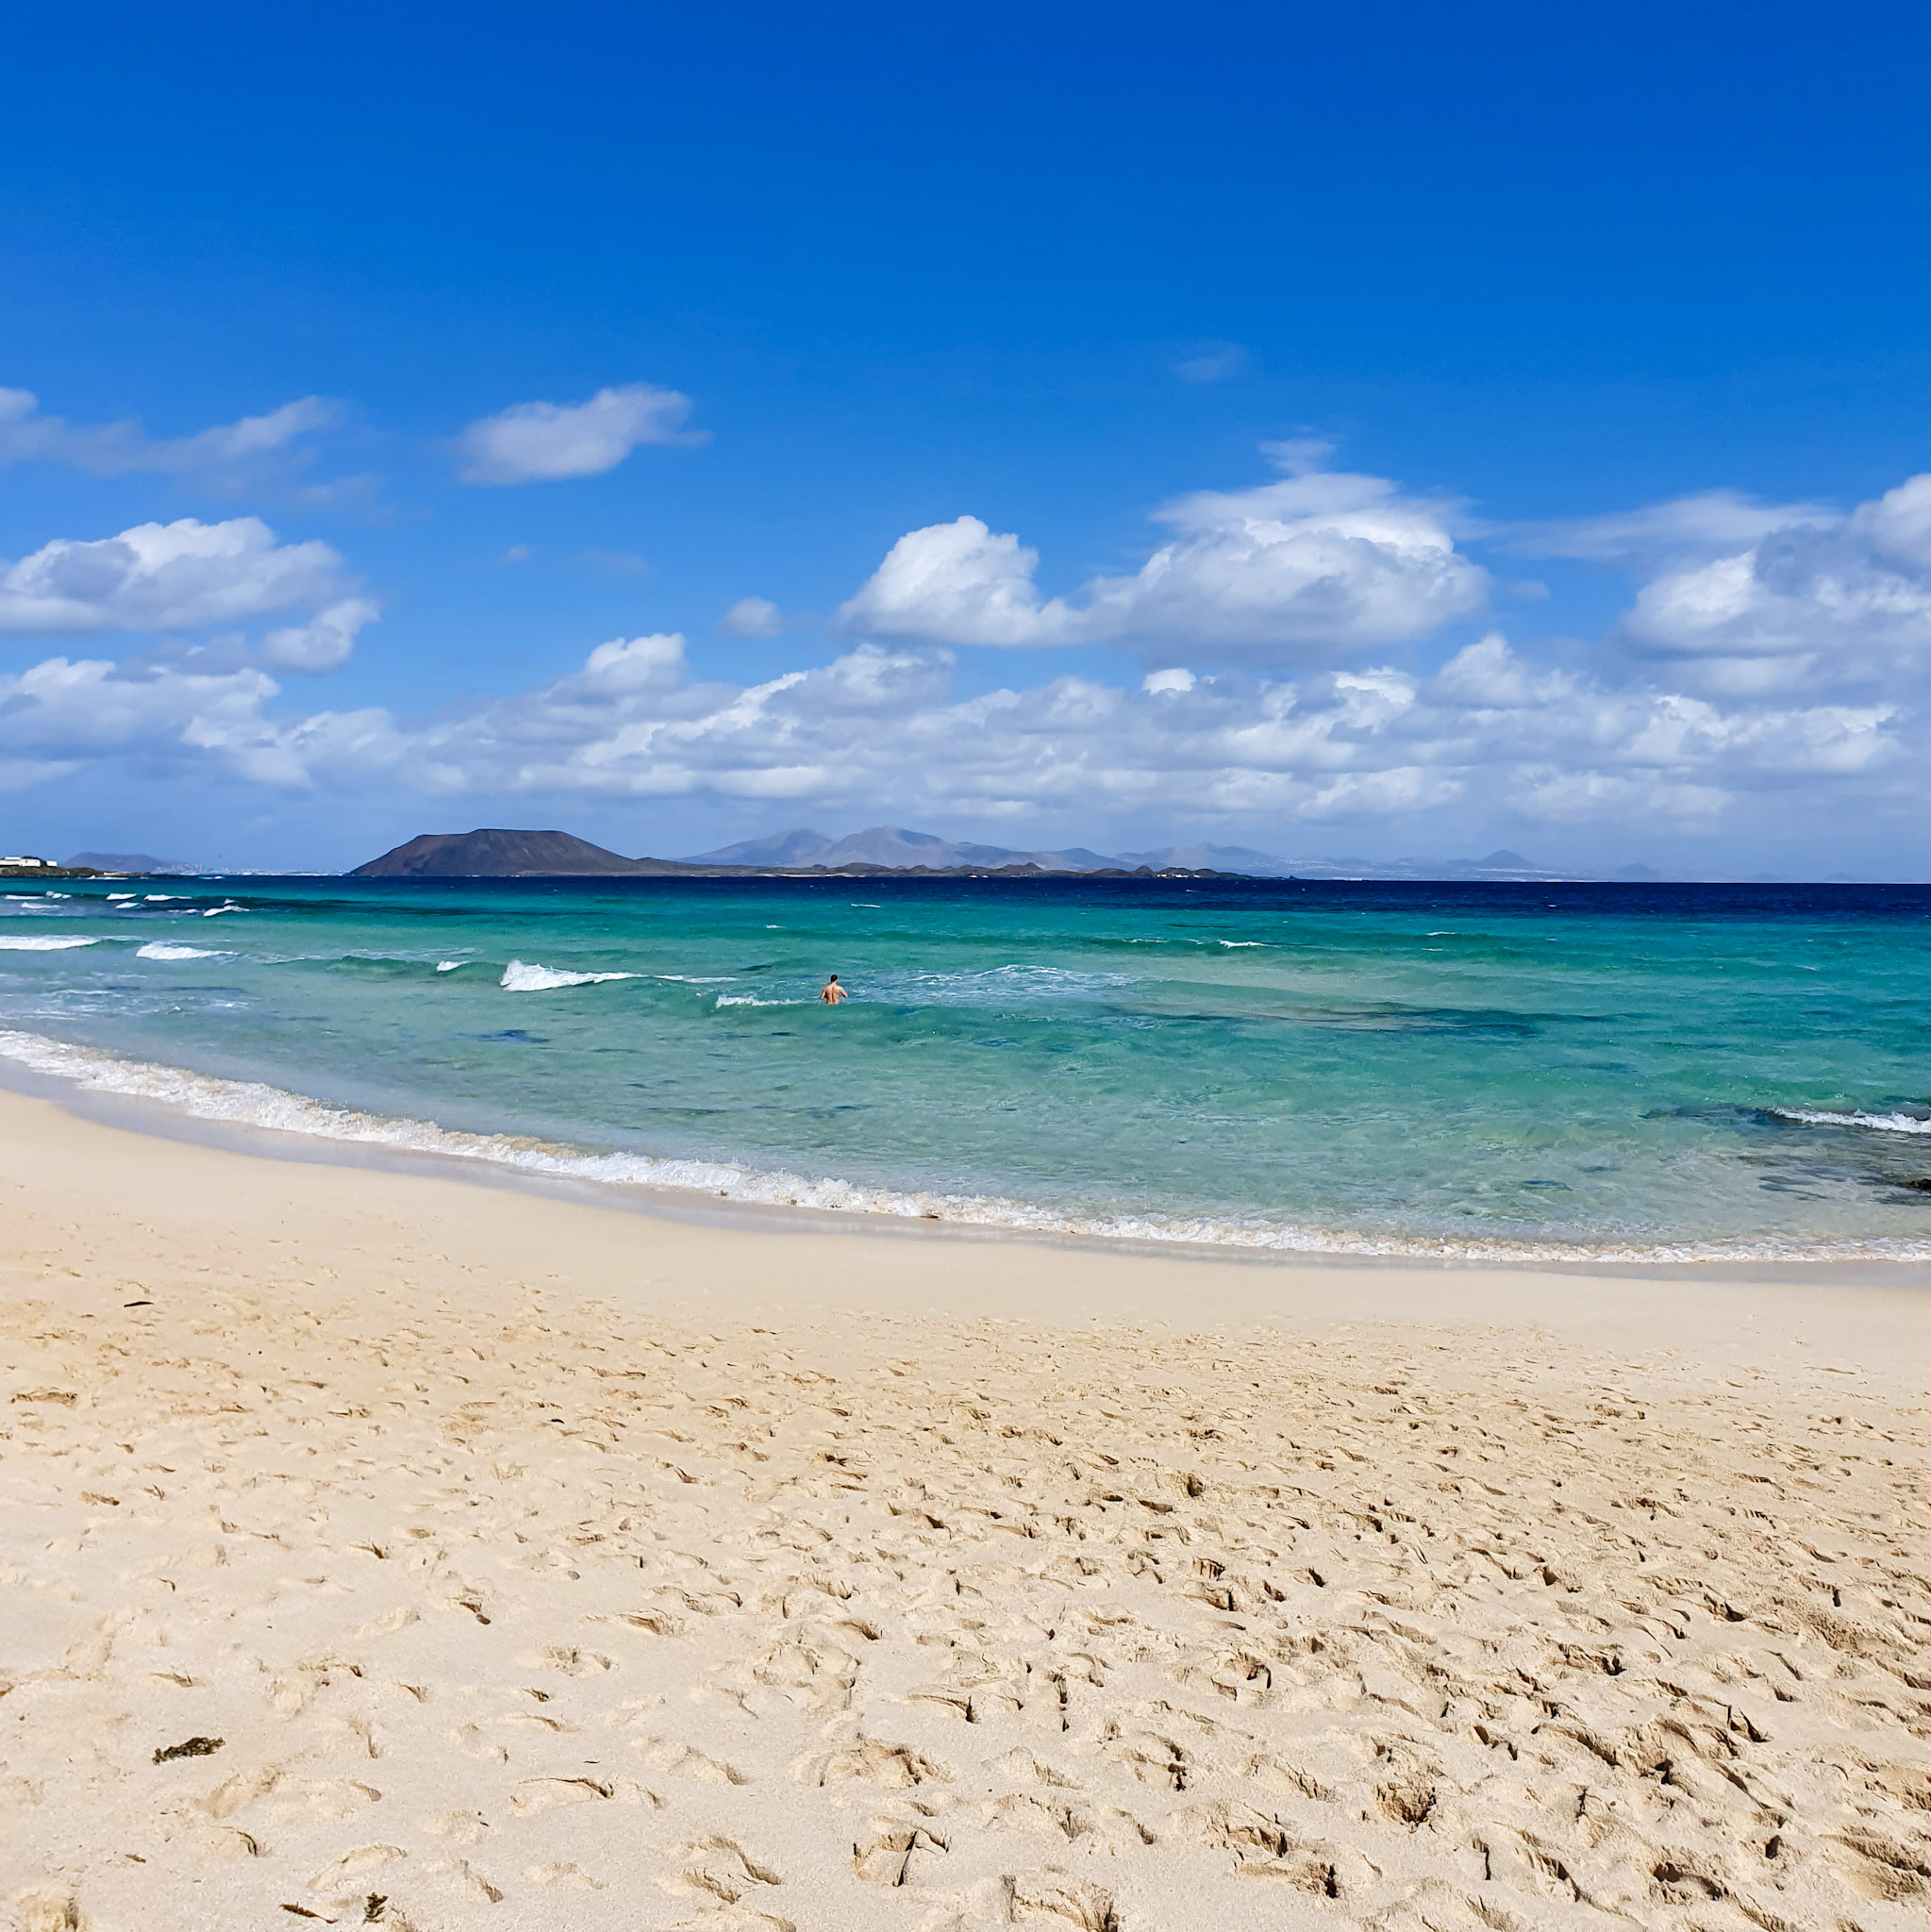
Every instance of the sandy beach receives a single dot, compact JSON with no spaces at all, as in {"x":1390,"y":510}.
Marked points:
{"x":384,"y":1549}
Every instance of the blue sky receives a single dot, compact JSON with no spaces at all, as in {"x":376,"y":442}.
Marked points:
{"x":1415,"y":430}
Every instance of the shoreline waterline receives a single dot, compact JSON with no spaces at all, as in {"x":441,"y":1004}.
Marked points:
{"x":254,"y":1117}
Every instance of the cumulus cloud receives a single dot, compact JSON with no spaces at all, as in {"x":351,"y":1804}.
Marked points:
{"x":1679,"y":728}
{"x":60,"y":717}
{"x":531,"y":442}
{"x":163,"y":577}
{"x":1748,"y":597}
{"x":1810,"y":602}
{"x":225,"y":458}
{"x":958,"y":583}
{"x":1318,"y":564}
{"x":752,"y":617}
{"x":880,"y":728}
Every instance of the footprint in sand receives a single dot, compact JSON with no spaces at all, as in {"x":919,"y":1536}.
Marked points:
{"x":717,"y":1868}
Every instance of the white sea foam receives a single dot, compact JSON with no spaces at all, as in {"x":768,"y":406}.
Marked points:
{"x":43,"y":943}
{"x":1883,"y":1123}
{"x":697,"y":979}
{"x":161,"y":949}
{"x":994,"y":985}
{"x":518,"y":978}
{"x":751,"y":999}
{"x":112,"y":897}
{"x":1232,"y":943}
{"x":451,"y":965}
{"x":253,"y":1104}
{"x":161,"y":898}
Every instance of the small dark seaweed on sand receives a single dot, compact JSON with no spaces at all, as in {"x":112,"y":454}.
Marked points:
{"x":189,"y":1747}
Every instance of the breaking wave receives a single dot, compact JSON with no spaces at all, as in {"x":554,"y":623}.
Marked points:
{"x":520,"y":977}
{"x":255,"y":1104}
{"x":1882,"y":1123}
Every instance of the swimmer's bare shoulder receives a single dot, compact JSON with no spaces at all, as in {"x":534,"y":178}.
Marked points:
{"x":833,"y":991}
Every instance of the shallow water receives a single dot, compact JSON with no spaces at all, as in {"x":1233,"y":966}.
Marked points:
{"x":1654,"y":1071}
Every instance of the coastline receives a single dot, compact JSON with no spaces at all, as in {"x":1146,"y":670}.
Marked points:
{"x":251,"y":1117}
{"x":1869,"y":1317}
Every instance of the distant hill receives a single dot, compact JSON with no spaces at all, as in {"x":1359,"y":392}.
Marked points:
{"x":131,"y":861}
{"x":495,"y":854}
{"x":891,"y":845}
{"x":781,"y":848}
{"x":1240,"y":858}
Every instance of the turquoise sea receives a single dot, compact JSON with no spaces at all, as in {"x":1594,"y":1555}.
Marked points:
{"x":1575,"y":1070}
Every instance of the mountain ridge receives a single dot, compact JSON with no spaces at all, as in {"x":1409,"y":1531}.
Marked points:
{"x":498,"y":851}
{"x":896,"y":847}
{"x":143,"y":863}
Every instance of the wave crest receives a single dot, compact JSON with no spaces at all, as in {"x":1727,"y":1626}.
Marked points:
{"x":519,"y":977}
{"x":1882,"y":1123}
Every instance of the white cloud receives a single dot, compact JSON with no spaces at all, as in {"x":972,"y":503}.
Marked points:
{"x":1320,"y":563}
{"x":1747,"y":597}
{"x":958,"y":583}
{"x":1716,"y":520}
{"x":752,"y":617}
{"x":1812,"y":602}
{"x":225,"y":458}
{"x":325,"y":642}
{"x":531,"y":442}
{"x":879,"y":730}
{"x":1653,"y":735}
{"x":62,"y":716}
{"x":163,"y":577}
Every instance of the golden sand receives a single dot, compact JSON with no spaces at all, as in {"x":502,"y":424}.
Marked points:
{"x":506,"y":1562}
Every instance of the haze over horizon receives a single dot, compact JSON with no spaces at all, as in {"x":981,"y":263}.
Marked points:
{"x":1281,"y":431}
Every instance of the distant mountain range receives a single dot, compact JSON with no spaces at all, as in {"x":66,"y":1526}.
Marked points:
{"x":132,"y":861}
{"x":896,"y":847}
{"x":497,"y":853}
{"x":893,"y":845}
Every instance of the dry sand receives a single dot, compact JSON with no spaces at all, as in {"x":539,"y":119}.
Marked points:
{"x":555,"y":1569}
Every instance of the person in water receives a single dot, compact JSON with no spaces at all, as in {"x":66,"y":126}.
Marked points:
{"x":833,"y":991}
